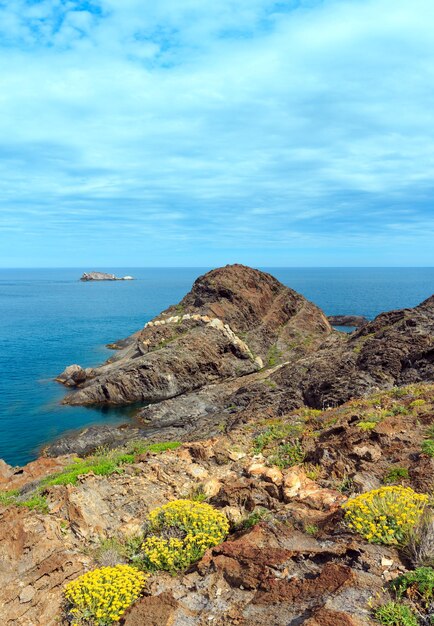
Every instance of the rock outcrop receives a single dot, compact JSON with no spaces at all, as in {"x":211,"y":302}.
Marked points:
{"x":240,"y":344}
{"x":396,"y":348}
{"x":234,"y":321}
{"x":89,"y":276}
{"x":354,"y":321}
{"x":252,"y":378}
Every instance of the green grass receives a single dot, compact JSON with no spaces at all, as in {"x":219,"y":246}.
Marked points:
{"x":395,"y":614}
{"x":103,"y":463}
{"x":37,"y":502}
{"x":106,"y":462}
{"x":8,"y":497}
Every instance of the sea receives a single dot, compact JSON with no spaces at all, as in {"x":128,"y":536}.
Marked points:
{"x":49,"y":319}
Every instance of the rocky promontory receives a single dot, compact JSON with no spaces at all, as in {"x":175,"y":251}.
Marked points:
{"x":95,"y":276}
{"x":233,"y":322}
{"x":241,"y":343}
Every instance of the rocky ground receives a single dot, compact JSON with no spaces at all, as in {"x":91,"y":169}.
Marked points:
{"x":289,"y":558}
{"x":269,"y":415}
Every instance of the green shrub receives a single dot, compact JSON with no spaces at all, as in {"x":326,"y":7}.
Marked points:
{"x":395,"y":614}
{"x":311,"y":529}
{"x":273,"y":433}
{"x":367,"y":425}
{"x":417,"y":403}
{"x":396,"y":474}
{"x":428,"y":447}
{"x":253,"y":518}
{"x":416,"y":584}
{"x":399,"y":392}
{"x":180,"y":532}
{"x":287,"y":455}
{"x":36,"y":502}
{"x":101,"y":597}
{"x":385,"y":515}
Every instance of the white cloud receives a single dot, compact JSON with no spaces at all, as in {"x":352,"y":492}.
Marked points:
{"x":218,"y":122}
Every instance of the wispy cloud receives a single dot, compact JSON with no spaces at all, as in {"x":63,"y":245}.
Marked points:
{"x":199,"y":133}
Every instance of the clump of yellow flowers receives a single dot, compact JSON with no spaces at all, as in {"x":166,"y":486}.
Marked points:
{"x":180,"y":532}
{"x":101,"y":597}
{"x":385,"y":515}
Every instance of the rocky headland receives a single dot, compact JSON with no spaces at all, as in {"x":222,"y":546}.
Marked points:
{"x":247,"y":399}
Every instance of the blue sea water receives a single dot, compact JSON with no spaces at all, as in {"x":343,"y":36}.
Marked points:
{"x":48,"y":319}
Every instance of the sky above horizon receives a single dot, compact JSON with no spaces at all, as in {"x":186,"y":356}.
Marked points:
{"x":199,"y":133}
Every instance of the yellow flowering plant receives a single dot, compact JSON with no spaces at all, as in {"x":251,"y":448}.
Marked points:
{"x":180,"y":532}
{"x":385,"y":515}
{"x":101,"y":597}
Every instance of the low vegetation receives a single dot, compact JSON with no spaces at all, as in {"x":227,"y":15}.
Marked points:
{"x":101,"y":597}
{"x":179,"y":533}
{"x":103,"y":463}
{"x":413,"y":594}
{"x":395,"y":614}
{"x":386,"y":515}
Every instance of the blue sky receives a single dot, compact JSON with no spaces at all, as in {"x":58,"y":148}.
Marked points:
{"x":198,"y":132}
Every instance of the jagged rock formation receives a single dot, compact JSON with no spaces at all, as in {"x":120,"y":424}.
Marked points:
{"x":348,"y":320}
{"x":89,"y":276}
{"x":396,"y":348}
{"x":233,"y":321}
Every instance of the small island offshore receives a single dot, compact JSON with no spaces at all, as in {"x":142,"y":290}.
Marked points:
{"x":278,"y":472}
{"x":89,"y":276}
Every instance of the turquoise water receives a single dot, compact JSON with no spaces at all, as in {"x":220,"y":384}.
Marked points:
{"x":48,"y":319}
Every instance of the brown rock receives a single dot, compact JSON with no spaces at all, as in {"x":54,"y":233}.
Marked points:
{"x":324,"y":617}
{"x":272,"y":474}
{"x":36,"y":561}
{"x":165,"y":360}
{"x":152,"y":611}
